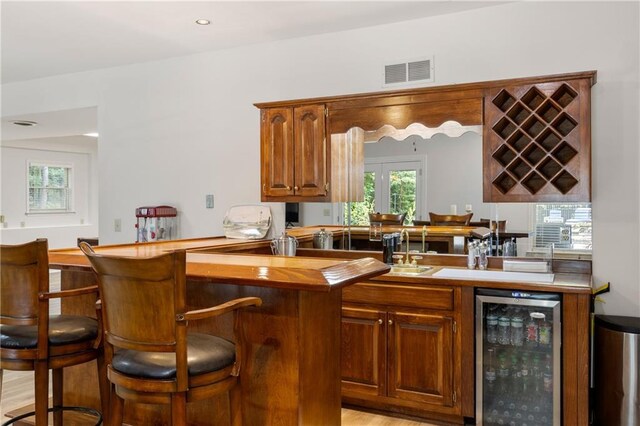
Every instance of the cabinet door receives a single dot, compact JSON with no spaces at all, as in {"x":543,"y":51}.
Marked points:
{"x":421,"y":358}
{"x":311,"y":151}
{"x":277,"y":152}
{"x":363,"y":351}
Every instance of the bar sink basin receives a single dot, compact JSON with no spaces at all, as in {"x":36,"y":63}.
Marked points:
{"x":483,"y":275}
{"x":410,"y":269}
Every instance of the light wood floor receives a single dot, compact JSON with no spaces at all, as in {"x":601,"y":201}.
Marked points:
{"x":17,"y":391}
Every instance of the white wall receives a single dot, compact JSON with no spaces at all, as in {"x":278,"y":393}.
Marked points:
{"x":175,"y":130}
{"x":61,"y":229}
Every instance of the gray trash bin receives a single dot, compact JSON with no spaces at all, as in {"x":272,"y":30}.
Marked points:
{"x":617,"y":370}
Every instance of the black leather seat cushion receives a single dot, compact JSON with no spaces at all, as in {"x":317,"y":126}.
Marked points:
{"x":205,"y":353}
{"x":63,"y":329}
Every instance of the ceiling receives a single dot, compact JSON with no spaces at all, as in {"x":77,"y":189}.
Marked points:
{"x":52,"y":124}
{"x":46,"y":38}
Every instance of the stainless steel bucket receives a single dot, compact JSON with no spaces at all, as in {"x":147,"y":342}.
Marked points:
{"x":284,"y":246}
{"x":323,"y":239}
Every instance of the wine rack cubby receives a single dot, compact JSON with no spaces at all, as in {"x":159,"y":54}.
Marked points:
{"x":537,"y":142}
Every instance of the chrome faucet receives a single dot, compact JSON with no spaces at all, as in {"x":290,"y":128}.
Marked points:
{"x":424,"y":237}
{"x":403,"y":232}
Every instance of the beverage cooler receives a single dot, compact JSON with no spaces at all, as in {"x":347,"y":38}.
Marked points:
{"x":518,"y":337}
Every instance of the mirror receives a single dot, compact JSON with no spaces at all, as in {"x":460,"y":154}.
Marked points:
{"x":448,"y":180}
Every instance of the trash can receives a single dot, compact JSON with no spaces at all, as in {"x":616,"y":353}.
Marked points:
{"x":617,"y":370}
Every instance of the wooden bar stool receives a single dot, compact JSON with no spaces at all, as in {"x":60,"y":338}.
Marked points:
{"x":151,"y":357}
{"x":450,"y":219}
{"x":387,"y":218}
{"x":31,"y":339}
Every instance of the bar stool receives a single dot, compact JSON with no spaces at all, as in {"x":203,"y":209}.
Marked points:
{"x":450,"y":219}
{"x":150,"y":354}
{"x":387,"y":218}
{"x":33,"y":340}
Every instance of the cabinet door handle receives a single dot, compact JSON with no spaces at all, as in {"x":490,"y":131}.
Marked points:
{"x":380,"y":321}
{"x":288,"y":188}
{"x":295,"y":188}
{"x":390,"y":322}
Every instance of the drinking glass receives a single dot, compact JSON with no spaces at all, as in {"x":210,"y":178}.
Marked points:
{"x":375,"y":231}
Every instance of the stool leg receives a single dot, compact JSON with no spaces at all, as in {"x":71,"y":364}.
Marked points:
{"x":116,"y":413}
{"x":235,"y":405}
{"x":179,"y":409}
{"x":58,"y":380}
{"x":103,"y":383}
{"x":41,"y":374}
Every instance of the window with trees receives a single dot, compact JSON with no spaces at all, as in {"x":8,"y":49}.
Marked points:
{"x":49,"y":188}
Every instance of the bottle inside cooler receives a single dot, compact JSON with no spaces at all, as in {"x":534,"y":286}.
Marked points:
{"x":517,"y":365}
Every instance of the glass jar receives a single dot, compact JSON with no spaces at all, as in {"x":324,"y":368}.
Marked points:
{"x":532,"y":329}
{"x":544,"y":333}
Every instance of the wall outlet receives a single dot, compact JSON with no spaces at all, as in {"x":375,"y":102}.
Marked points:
{"x":209,"y":201}
{"x":326,"y":212}
{"x":22,"y":224}
{"x":468,"y":208}
{"x":117,"y":225}
{"x":81,"y":221}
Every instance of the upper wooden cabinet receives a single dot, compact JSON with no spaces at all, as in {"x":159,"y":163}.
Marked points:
{"x":537,"y":141}
{"x":536,"y":137}
{"x":294,"y":153}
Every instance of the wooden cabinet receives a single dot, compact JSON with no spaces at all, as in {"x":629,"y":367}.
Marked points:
{"x":537,"y":141}
{"x":420,"y":357}
{"x":536,"y":137}
{"x":364,"y":351}
{"x":294,"y":154}
{"x":401,"y":350}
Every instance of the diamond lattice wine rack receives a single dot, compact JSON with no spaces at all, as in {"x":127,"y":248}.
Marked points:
{"x":537,"y":142}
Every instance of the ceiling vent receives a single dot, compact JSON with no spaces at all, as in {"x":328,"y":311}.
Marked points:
{"x":410,"y":72}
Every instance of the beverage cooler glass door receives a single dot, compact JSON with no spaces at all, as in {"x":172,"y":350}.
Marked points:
{"x":518,"y":337}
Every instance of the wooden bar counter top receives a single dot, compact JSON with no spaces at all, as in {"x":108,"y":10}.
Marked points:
{"x":291,"y":374}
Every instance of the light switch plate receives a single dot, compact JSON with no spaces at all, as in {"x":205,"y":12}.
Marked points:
{"x":117,"y":225}
{"x":209,"y":201}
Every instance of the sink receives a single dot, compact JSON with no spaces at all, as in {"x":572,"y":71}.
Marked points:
{"x":410,"y":269}
{"x":475,"y":274}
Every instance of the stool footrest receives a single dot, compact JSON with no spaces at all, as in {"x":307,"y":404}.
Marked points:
{"x":84,"y":410}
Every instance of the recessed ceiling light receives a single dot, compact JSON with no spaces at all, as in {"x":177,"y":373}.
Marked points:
{"x":203,"y":22}
{"x":25,"y":123}
{"x":92,"y":134}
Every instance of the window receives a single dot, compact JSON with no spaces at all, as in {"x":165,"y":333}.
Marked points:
{"x":567,"y":225}
{"x":49,"y":188}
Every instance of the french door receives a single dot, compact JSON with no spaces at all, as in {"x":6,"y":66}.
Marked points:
{"x":389,"y":187}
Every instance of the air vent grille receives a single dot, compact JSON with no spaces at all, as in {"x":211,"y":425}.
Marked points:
{"x":420,"y":70}
{"x":408,"y":72}
{"x":396,"y":73}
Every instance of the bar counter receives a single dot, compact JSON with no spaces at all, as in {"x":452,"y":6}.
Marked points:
{"x":291,"y":374}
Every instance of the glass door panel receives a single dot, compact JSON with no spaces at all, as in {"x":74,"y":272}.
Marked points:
{"x":360,"y":210}
{"x":401,"y":188}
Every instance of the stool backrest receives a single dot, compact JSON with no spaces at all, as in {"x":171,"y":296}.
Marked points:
{"x":141,"y":298}
{"x":450,"y":219}
{"x":387,"y":218}
{"x":24,"y":274}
